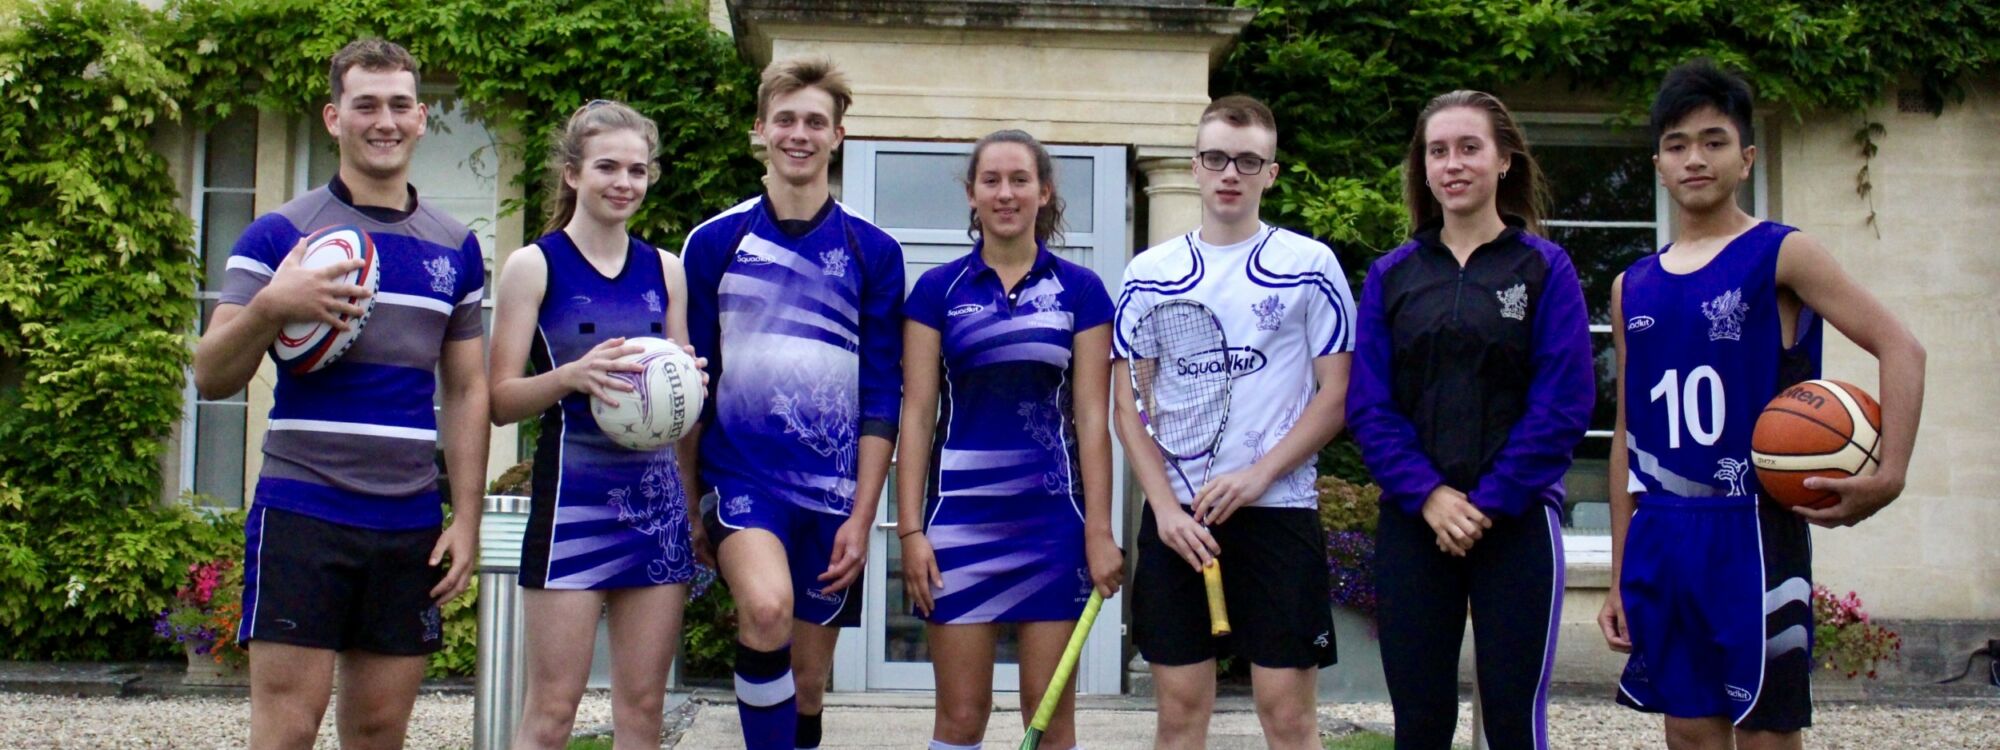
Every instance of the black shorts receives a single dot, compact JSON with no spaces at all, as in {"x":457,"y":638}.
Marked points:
{"x":319,"y":584}
{"x":1274,"y":584}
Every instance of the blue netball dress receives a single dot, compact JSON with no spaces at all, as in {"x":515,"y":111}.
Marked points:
{"x":1715,"y":578}
{"x":1005,"y":498}
{"x":603,"y":517}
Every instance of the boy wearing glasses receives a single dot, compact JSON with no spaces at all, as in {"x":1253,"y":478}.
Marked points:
{"x":1288,"y":315}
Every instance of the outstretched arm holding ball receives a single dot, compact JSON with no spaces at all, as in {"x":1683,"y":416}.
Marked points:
{"x":1808,"y":270}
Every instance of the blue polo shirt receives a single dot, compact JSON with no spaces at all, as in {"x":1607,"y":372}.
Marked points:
{"x":1005,"y":424}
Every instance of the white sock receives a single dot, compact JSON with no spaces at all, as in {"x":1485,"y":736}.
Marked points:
{"x":937,"y":744}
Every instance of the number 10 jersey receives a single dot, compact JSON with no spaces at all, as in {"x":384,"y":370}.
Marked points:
{"x":1704,"y":352}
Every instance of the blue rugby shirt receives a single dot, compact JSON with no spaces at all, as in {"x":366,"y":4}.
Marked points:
{"x":804,"y":340}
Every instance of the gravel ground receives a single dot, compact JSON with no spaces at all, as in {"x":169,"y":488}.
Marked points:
{"x":37,"y":721}
{"x":1605,"y":725}
{"x":445,"y":721}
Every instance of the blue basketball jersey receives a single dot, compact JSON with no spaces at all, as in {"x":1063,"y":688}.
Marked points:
{"x":1704,"y":352}
{"x":605,"y":517}
{"x":1716,"y":583}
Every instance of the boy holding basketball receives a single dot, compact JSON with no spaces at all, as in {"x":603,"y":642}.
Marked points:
{"x":798,"y":306}
{"x":1286,"y":312}
{"x":1712,"y":584}
{"x":344,"y":551}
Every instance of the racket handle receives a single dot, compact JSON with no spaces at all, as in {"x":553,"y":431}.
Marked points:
{"x":1059,"y":683}
{"x":1218,"y":611}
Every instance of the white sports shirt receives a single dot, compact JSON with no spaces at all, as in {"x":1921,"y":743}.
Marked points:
{"x":1283,"y":301}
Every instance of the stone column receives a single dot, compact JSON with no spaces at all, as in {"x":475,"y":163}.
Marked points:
{"x":1173,"y":202}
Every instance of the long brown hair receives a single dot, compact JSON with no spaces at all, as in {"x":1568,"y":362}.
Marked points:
{"x":1048,"y":219}
{"x":1523,"y":191}
{"x":598,"y":117}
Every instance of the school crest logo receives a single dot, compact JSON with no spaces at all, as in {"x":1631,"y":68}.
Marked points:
{"x":652,"y":298}
{"x":444,"y":276}
{"x":1514,"y":301}
{"x":739,"y":505}
{"x":1270,"y":312}
{"x":433,"y":622}
{"x":1047,"y":303}
{"x":1733,"y":471}
{"x":833,"y":263}
{"x":1725,"y":316}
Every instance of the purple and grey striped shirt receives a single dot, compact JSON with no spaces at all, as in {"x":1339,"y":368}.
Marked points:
{"x":355,"y":443}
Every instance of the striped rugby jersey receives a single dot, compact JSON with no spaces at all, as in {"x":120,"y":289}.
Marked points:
{"x":1283,"y":301}
{"x":356,"y":442}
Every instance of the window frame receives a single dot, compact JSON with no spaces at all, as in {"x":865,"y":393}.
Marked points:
{"x":191,"y":400}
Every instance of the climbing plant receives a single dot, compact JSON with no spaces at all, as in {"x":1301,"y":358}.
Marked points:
{"x":1347,"y":77}
{"x":98,"y":273}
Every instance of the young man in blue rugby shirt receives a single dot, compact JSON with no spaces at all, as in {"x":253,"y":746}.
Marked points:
{"x":798,"y":306}
{"x":343,"y":545}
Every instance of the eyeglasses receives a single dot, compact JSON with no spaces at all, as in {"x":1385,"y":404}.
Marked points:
{"x":1246,"y":164}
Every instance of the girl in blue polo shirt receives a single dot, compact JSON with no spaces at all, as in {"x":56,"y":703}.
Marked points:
{"x":1004,"y":474}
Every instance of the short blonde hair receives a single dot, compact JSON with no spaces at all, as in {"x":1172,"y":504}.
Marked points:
{"x":782,"y":77}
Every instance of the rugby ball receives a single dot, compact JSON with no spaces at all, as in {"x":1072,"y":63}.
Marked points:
{"x":307,"y":347}
{"x":665,"y":400}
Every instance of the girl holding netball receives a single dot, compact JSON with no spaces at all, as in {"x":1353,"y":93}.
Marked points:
{"x":609,"y":526}
{"x":1004,"y":494}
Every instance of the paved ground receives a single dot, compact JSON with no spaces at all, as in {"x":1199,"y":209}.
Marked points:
{"x":903,"y":721}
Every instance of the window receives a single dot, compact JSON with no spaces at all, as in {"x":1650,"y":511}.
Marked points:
{"x":212,"y":443}
{"x":1608,"y":210}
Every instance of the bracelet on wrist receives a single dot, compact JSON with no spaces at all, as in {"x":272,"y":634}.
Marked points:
{"x":906,"y":534}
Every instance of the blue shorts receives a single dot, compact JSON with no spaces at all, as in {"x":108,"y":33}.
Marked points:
{"x":807,"y":536}
{"x":1718,"y":601}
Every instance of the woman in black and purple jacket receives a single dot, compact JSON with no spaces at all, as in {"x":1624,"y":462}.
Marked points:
{"x":1472,"y":386}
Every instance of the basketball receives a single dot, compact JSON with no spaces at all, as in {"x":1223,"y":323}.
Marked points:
{"x":665,"y":400}
{"x":1818,"y":428}
{"x":303,"y":348}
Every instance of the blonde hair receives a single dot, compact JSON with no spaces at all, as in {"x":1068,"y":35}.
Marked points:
{"x":598,"y":117}
{"x":782,"y":77}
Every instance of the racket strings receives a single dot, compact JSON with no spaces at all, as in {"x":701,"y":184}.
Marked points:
{"x":1183,"y":377}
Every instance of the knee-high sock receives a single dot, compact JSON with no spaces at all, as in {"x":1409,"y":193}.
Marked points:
{"x":765,"y":698}
{"x":807,"y":737}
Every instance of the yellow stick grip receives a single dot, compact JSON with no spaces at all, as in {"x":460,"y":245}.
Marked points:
{"x":1218,"y":612}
